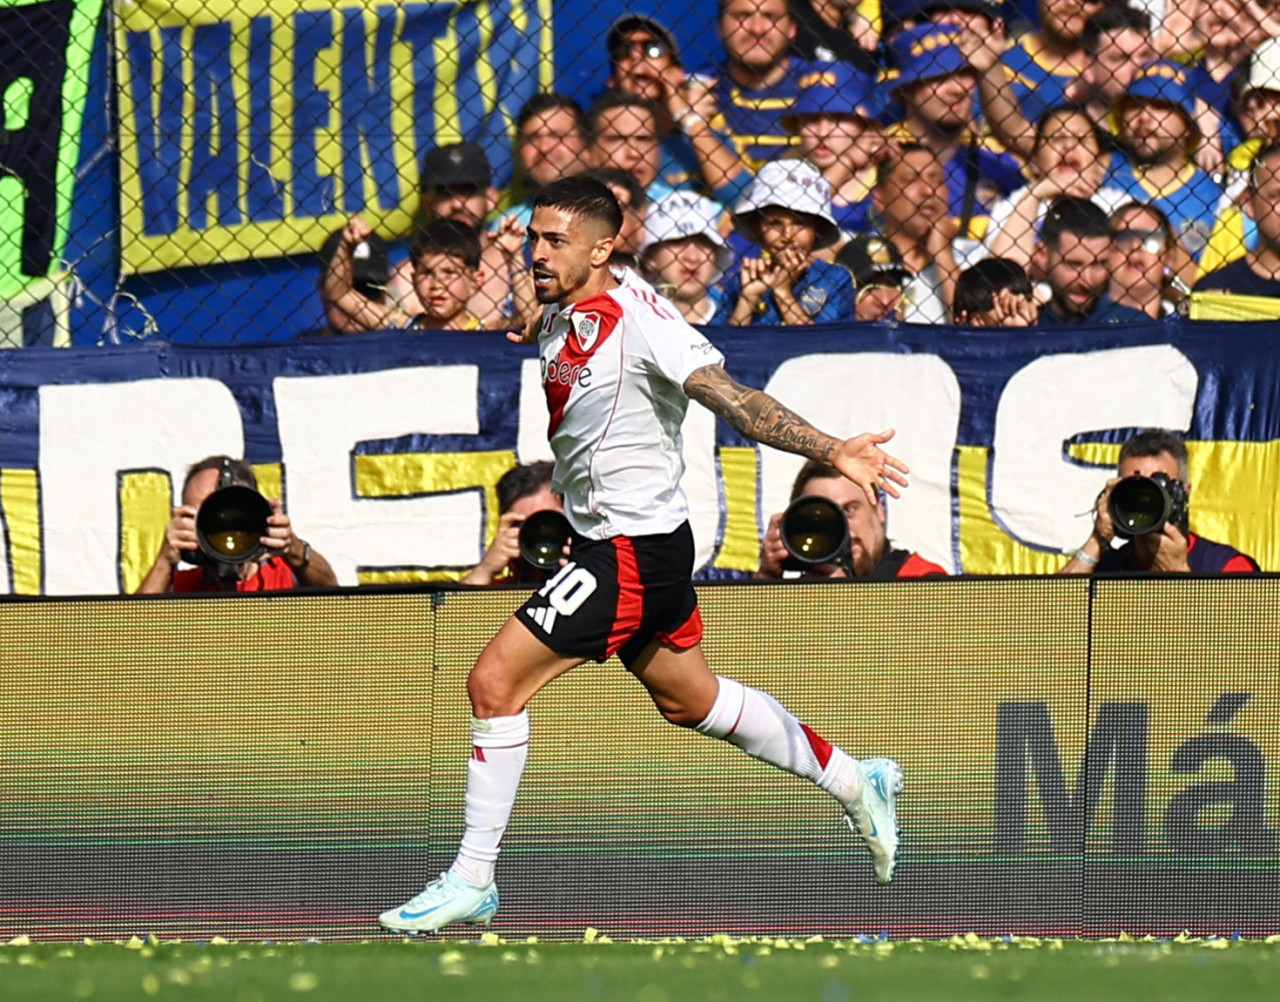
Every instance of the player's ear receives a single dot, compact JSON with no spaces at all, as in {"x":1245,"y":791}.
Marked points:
{"x":601,"y":250}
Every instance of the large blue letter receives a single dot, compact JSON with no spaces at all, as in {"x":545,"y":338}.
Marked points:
{"x":214,"y":168}
{"x":160,"y":132}
{"x":313,"y":193}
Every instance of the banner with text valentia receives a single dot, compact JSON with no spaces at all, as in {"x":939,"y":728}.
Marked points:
{"x":385,"y":447}
{"x":251,"y":128}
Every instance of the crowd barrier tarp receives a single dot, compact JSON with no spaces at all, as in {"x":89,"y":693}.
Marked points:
{"x":385,"y":447}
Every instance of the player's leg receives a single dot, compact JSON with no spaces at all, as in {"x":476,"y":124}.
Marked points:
{"x":511,"y":669}
{"x":688,"y":693}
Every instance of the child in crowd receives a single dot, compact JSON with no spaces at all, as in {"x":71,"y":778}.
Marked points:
{"x":995,"y":292}
{"x":1067,"y":160}
{"x":684,"y":255}
{"x":446,"y":273}
{"x":838,"y":134}
{"x":879,"y":276}
{"x":787,"y":213}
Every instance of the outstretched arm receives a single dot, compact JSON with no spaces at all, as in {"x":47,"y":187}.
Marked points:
{"x":757,"y":415}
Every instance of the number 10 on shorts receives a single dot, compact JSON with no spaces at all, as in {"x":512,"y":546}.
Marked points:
{"x":565,"y":593}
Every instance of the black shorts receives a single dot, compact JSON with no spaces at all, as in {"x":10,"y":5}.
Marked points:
{"x":616,"y":595}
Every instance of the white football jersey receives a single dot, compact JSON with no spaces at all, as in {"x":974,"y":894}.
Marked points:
{"x":614,"y":367}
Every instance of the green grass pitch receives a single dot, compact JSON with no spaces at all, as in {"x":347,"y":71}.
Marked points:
{"x":717,"y":968}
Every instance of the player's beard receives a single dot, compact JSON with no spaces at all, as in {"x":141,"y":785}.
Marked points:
{"x":563,"y":284}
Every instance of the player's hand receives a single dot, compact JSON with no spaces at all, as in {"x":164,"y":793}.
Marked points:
{"x":772,"y":550}
{"x":529,"y":335}
{"x":862,"y":461}
{"x":180,"y":534}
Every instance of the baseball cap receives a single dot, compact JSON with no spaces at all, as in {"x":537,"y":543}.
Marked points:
{"x":873,"y":260}
{"x":369,"y":271}
{"x":789,"y":184}
{"x":1264,"y":67}
{"x":640,"y":22}
{"x":832,"y":89}
{"x":455,"y":165}
{"x":683,"y":214}
{"x":926,"y":51}
{"x":896,"y":13}
{"x":1165,"y":80}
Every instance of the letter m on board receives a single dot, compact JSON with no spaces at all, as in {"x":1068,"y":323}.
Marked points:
{"x":1027,"y":751}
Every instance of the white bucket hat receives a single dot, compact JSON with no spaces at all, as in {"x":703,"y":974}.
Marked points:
{"x":1264,"y":67}
{"x":684,"y":214}
{"x":789,"y":184}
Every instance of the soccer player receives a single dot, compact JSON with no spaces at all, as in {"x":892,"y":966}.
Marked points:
{"x":619,"y":369}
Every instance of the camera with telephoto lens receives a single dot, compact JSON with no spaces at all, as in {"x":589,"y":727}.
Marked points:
{"x":542,"y":538}
{"x":230,"y":524}
{"x":815,"y":530}
{"x":1140,"y":505}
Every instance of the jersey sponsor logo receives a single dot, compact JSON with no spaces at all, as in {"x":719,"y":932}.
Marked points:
{"x":566,"y":373}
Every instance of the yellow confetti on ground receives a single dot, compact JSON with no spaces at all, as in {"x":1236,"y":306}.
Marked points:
{"x":303,"y":981}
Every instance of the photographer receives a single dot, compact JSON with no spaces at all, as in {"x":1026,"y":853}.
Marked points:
{"x":522,"y":491}
{"x":291,"y":562}
{"x":1169,"y":548}
{"x":870,"y":553}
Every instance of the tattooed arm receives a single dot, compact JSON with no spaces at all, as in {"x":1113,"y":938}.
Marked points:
{"x":757,"y":415}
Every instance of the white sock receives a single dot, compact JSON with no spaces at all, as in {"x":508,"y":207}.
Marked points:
{"x":499,"y":747}
{"x":762,"y":727}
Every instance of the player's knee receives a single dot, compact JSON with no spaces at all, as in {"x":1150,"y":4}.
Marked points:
{"x":678,"y":713}
{"x":489,"y":691}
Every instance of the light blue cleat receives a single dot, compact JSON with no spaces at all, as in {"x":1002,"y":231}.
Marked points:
{"x":874,"y":815}
{"x":442,"y":902}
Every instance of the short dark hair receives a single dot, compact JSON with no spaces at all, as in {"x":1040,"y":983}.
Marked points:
{"x":522,"y":481}
{"x":241,"y":472}
{"x":1153,"y":442}
{"x":1078,"y":216}
{"x":1113,"y":17}
{"x":584,"y":197}
{"x":884,"y":169}
{"x":977,"y":286}
{"x":448,"y":236}
{"x":1166,"y":227}
{"x":611,"y":176}
{"x":552,"y":101}
{"x":611,"y":99}
{"x":813,"y":469}
{"x":1061,"y":111}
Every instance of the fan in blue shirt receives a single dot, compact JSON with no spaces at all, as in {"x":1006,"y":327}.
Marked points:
{"x":787,"y":212}
{"x":1156,"y":125}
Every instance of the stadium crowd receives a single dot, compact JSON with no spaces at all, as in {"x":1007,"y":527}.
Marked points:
{"x":951,"y":161}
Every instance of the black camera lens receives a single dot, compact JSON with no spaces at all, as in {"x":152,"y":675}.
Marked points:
{"x":1140,"y":505}
{"x":542,"y":538}
{"x":230,"y":524}
{"x":815,"y":530}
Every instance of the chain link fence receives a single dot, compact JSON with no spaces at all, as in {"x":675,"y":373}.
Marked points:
{"x":241,"y":171}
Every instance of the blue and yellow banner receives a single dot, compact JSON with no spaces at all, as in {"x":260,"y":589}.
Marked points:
{"x":385,"y":447}
{"x":253,"y":129}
